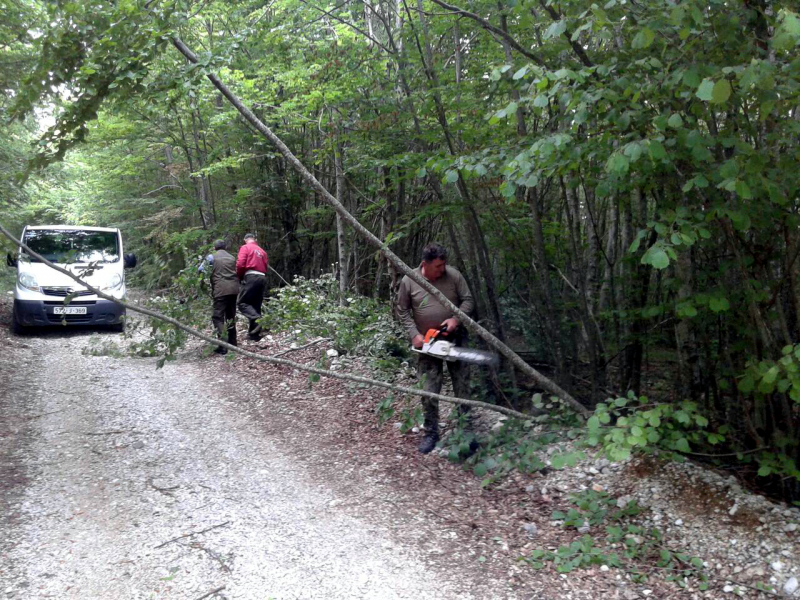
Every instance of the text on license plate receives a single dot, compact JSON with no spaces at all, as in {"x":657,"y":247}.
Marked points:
{"x":69,"y":310}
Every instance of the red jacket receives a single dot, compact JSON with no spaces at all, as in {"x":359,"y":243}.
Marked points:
{"x":251,"y":258}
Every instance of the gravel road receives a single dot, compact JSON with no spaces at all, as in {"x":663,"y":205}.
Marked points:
{"x":123,"y":481}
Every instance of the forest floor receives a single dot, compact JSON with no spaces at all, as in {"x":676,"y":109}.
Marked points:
{"x":288,"y":489}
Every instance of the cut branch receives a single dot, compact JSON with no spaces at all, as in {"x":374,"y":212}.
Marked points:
{"x":261,"y":357}
{"x":185,"y":535}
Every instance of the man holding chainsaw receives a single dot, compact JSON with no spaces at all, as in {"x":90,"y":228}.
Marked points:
{"x":419,"y":312}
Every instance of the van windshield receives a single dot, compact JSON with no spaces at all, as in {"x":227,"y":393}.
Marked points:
{"x":73,"y":246}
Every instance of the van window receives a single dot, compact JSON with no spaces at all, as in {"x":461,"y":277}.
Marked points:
{"x":73,"y":246}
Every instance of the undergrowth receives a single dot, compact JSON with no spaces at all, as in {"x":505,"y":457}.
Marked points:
{"x":358,"y":326}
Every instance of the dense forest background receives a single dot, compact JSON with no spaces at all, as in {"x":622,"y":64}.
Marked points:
{"x":618,"y":182}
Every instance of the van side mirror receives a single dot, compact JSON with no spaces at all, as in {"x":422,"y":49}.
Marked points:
{"x":130,"y":260}
{"x":11,"y":260}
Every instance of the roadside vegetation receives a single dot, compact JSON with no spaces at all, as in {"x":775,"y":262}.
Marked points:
{"x":618,"y":184}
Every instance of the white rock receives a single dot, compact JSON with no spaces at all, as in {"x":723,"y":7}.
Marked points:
{"x":790,"y":527}
{"x":777,"y":566}
{"x":679,"y":522}
{"x":790,"y":587}
{"x":728,"y":589}
{"x":733,"y":510}
{"x":531,"y":529}
{"x":331,"y":353}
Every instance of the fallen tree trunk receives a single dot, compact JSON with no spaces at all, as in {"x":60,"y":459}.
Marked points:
{"x":309,"y":178}
{"x":270,"y":359}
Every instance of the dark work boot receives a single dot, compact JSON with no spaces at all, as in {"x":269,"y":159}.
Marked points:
{"x":255,"y":330}
{"x":220,"y":350}
{"x":428,"y":443}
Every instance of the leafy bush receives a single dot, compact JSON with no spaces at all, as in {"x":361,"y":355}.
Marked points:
{"x":623,"y":425}
{"x":187,"y":301}
{"x":362,"y":326}
{"x":626,"y":545}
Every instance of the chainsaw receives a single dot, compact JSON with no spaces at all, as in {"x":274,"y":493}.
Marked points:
{"x":434,"y":345}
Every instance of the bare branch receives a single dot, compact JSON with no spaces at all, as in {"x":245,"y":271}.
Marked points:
{"x":492,"y":29}
{"x":261,"y":357}
{"x":358,"y":29}
{"x":185,"y":535}
{"x":168,"y":186}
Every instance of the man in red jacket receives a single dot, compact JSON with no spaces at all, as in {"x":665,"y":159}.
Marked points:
{"x":251,"y":269}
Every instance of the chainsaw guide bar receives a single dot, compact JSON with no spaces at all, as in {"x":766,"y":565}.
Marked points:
{"x":435,"y":346}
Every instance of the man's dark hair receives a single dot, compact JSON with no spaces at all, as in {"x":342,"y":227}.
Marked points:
{"x":433,"y":251}
{"x":220,"y":245}
{"x":249,"y":236}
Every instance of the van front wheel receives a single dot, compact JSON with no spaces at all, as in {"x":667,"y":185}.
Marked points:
{"x":117,"y":327}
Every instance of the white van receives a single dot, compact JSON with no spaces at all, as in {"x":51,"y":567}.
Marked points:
{"x":93,"y":254}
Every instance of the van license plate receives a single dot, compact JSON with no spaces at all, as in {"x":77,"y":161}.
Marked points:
{"x":69,"y":310}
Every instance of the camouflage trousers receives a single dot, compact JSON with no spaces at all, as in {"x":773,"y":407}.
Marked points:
{"x":431,"y":372}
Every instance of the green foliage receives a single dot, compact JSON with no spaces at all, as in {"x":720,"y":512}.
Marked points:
{"x":187,"y":301}
{"x":632,"y":188}
{"x":771,"y":384}
{"x":624,"y":545}
{"x":623,"y":426}
{"x":593,"y":508}
{"x":362,"y":326}
{"x":516,"y":445}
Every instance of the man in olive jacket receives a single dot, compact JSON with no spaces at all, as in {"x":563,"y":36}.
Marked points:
{"x":225,"y":291}
{"x":419,"y":311}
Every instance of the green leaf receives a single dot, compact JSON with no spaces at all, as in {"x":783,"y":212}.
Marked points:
{"x":743,"y":190}
{"x":718,"y":304}
{"x":480,"y":470}
{"x":682,"y":445}
{"x":556,"y":29}
{"x":633,"y":151}
{"x":771,"y":375}
{"x":706,"y":90}
{"x":618,"y":163}
{"x":721,"y":92}
{"x":643,"y":39}
{"x":451,"y":176}
{"x":521,"y":72}
{"x":656,"y":257}
{"x":675,"y":121}
{"x":746,"y":384}
{"x":764,"y":470}
{"x":657,"y":150}
{"x":541,"y":101}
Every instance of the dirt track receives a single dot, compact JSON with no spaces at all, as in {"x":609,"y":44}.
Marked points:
{"x":111,"y":459}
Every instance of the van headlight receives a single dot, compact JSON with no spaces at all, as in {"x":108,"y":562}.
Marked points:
{"x":29,"y":282}
{"x":114,"y":283}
